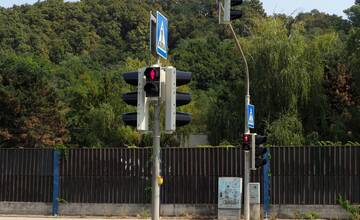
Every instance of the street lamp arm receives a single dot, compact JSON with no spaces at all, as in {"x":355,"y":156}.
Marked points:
{"x":244,"y":59}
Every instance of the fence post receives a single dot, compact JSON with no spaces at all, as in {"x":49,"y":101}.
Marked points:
{"x":55,"y":200}
{"x":266,"y":185}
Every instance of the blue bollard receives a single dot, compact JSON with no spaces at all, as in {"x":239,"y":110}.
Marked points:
{"x":55,"y":200}
{"x":266,"y":185}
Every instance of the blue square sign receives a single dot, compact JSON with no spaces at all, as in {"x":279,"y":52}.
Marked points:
{"x":161,"y":35}
{"x":251,"y":116}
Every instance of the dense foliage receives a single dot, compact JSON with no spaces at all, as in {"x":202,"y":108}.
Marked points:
{"x":61,"y":65}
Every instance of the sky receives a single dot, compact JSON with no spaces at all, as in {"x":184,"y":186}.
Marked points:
{"x":10,"y":3}
{"x":289,"y":7}
{"x":295,"y":6}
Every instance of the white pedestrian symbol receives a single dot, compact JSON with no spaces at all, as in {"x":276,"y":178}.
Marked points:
{"x":161,"y":43}
{"x":251,"y":117}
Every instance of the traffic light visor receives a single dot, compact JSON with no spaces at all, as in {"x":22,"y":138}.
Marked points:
{"x":259,"y":139}
{"x":236,"y":2}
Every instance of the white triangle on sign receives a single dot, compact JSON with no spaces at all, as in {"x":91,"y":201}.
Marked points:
{"x":161,"y":43}
{"x":251,"y":117}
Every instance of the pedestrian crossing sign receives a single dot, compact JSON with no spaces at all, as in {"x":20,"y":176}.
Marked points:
{"x":251,"y":116}
{"x":161,"y":35}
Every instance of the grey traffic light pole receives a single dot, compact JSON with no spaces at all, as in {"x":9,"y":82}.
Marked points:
{"x":247,"y":131}
{"x":155,"y":205}
{"x":156,"y":164}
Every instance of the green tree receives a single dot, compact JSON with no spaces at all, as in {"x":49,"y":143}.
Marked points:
{"x":279,"y":70}
{"x":304,"y":68}
{"x":286,"y":131}
{"x":31,"y":112}
{"x":353,"y":14}
{"x":317,"y":23}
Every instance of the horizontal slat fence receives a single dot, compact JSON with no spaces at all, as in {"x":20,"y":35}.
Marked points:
{"x":299,"y":175}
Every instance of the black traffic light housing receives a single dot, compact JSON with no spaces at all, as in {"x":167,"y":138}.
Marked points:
{"x":152,"y":84}
{"x":231,"y":11}
{"x":260,"y":150}
{"x":130,"y":98}
{"x":235,"y":13}
{"x":140,"y":118}
{"x":174,"y":99}
{"x":182,"y":98}
{"x":148,"y":82}
{"x":130,"y":118}
{"x":246,"y":142}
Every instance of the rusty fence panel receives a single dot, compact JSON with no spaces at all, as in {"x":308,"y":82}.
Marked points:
{"x":26,"y":175}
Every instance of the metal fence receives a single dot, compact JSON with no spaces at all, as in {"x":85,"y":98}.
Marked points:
{"x":26,"y":175}
{"x":315,"y":175}
{"x":299,"y":175}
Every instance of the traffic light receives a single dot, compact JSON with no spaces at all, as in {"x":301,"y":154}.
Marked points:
{"x":260,"y":150}
{"x":140,"y":118}
{"x":156,"y":82}
{"x":152,"y":85}
{"x":173,"y":99}
{"x":229,"y":12}
{"x":246,"y":142}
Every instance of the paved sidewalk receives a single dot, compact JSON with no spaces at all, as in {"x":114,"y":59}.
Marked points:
{"x":19,"y":217}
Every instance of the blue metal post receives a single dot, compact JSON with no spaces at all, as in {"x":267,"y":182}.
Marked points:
{"x":55,"y":201}
{"x":266,"y":185}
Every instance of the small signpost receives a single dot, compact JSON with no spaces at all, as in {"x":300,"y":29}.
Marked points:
{"x":161,"y":35}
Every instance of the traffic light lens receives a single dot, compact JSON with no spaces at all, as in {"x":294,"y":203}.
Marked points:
{"x":152,"y":74}
{"x":246,"y":138}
